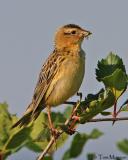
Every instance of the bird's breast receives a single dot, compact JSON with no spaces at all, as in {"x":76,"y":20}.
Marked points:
{"x":67,"y":81}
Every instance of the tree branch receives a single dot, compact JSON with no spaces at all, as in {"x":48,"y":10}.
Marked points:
{"x":69,"y":102}
{"x":76,"y":105}
{"x":51,"y":142}
{"x":108,"y":119}
{"x":46,"y":149}
{"x":42,"y":155}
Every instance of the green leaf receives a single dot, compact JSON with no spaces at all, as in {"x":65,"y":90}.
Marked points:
{"x":91,"y":156}
{"x":84,"y":105}
{"x":5,"y":154}
{"x":67,"y":112}
{"x":92,"y":97}
{"x":48,"y":158}
{"x":66,"y":155}
{"x":58,"y":118}
{"x":5,"y":124}
{"x":108,"y":65}
{"x":123,"y":146}
{"x":125,"y":108}
{"x":78,"y":143}
{"x":117,"y":80}
{"x":104,"y":101}
{"x":112,"y":73}
{"x":106,"y":113}
{"x":10,"y":140}
{"x":76,"y":146}
{"x":64,"y":128}
{"x":95,"y":134}
{"x":39,"y":126}
{"x":17,"y":139}
{"x":33,"y":146}
{"x":40,"y":135}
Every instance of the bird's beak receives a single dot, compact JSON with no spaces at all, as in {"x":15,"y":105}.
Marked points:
{"x":86,"y":33}
{"x":89,"y":33}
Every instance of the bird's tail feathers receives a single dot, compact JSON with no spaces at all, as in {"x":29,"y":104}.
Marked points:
{"x":23,"y":121}
{"x":26,"y":119}
{"x":29,"y":115}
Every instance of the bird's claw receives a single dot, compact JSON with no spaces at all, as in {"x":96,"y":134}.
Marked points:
{"x":71,"y":128}
{"x":71,"y":131}
{"x":54,"y":132}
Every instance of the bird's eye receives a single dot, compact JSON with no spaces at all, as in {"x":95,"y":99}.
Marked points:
{"x":70,"y":33}
{"x":73,"y":32}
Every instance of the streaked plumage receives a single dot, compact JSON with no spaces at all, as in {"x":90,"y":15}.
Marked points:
{"x":62,"y":73}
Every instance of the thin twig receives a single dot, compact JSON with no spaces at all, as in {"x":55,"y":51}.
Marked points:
{"x":76,"y":105}
{"x":42,"y":155}
{"x":46,"y":149}
{"x":108,"y":119}
{"x":126,"y":102}
{"x":60,"y":133}
{"x":51,"y":142}
{"x":70,"y":103}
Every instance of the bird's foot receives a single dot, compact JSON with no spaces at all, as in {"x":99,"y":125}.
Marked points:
{"x":76,"y":118}
{"x":54,"y":132}
{"x":72,"y":127}
{"x":55,"y":135}
{"x":71,"y":131}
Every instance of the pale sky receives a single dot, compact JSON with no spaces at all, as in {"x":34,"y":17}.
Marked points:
{"x":26,"y":39}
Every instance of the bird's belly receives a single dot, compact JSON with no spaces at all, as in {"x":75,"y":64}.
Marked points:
{"x":66,"y":82}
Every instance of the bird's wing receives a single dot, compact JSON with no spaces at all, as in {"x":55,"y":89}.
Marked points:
{"x":46,"y":75}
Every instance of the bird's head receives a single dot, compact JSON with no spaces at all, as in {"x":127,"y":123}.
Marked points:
{"x":70,"y":36}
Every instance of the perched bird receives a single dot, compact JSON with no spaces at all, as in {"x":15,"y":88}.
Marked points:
{"x":61,"y":75}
